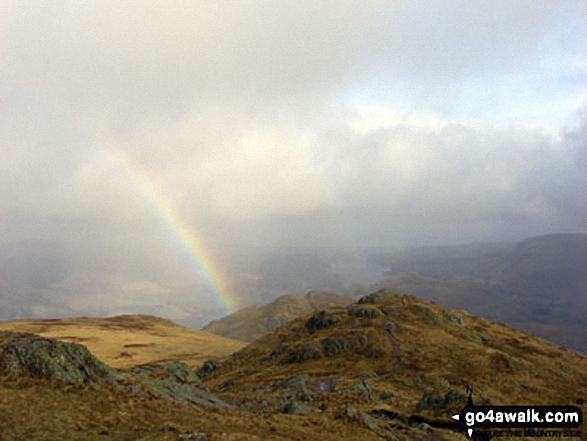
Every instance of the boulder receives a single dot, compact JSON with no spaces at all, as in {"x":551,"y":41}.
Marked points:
{"x":321,"y":320}
{"x":29,"y":354}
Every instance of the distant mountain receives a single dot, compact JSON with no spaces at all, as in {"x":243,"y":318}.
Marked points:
{"x":478,"y":260}
{"x":548,"y":275}
{"x":253,"y":322}
{"x":539,"y":285}
{"x":130,"y":340}
{"x":472,"y":295}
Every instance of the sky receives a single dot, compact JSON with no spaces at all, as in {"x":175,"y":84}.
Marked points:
{"x":143,"y":142}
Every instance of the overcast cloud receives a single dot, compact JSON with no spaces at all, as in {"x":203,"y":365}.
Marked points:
{"x":267,"y":123}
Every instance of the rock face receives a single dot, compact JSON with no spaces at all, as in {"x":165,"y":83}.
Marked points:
{"x":23,"y":354}
{"x":321,"y":320}
{"x":28,"y":354}
{"x":176,"y":381}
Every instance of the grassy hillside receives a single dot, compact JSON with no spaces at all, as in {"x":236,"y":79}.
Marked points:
{"x":389,"y":367}
{"x":253,"y":322}
{"x":396,"y":360}
{"x":129,"y":340}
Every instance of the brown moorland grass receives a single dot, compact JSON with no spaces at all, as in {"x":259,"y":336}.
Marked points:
{"x":129,"y":340}
{"x":42,"y":410}
{"x":253,"y":322}
{"x":424,"y":349}
{"x":357,"y":373}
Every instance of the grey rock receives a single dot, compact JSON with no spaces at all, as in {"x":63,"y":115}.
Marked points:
{"x":326,"y":385}
{"x":454,"y":318}
{"x":305,"y":352}
{"x":29,"y":354}
{"x":386,"y":395}
{"x":351,"y":412}
{"x":297,"y":408}
{"x":298,"y":389}
{"x":321,"y":320}
{"x":425,"y":427}
{"x":290,"y":382}
{"x":363,"y":311}
{"x":441,"y":401}
{"x":176,"y":381}
{"x":193,"y":435}
{"x":208,"y":367}
{"x":333,"y":346}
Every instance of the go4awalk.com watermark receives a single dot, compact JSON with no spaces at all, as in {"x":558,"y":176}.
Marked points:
{"x":487,"y":422}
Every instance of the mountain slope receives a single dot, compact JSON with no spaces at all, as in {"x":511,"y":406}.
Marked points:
{"x":470,"y":295}
{"x":539,"y":285}
{"x":253,"y":322}
{"x":548,"y":275}
{"x":388,"y":367}
{"x":397,"y":359}
{"x":129,"y":340}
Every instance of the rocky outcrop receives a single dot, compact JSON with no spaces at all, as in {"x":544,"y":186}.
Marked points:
{"x":28,"y":355}
{"x":31,"y":355}
{"x":176,"y":381}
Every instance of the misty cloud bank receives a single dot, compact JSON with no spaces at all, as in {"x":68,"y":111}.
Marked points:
{"x":269,"y":124}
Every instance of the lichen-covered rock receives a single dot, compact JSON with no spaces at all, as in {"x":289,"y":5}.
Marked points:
{"x":176,"y":381}
{"x":451,"y":399}
{"x":334,"y":345}
{"x":454,"y":318}
{"x":301,"y":393}
{"x":373,"y":351}
{"x":208,"y":367}
{"x":177,"y":370}
{"x":29,"y":354}
{"x":321,"y":320}
{"x":352,"y":413}
{"x":305,"y":352}
{"x":364,"y":389}
{"x":297,"y":408}
{"x":298,"y":389}
{"x":363,"y":311}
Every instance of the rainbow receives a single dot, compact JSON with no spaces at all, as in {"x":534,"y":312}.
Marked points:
{"x":181,"y":230}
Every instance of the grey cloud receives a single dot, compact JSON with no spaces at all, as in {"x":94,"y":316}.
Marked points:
{"x":252,"y":120}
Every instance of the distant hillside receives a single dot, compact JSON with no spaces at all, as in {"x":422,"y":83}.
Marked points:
{"x":129,"y":340}
{"x":253,"y":322}
{"x":548,"y":275}
{"x":478,"y":260}
{"x":539,"y":285}
{"x":471,"y":295}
